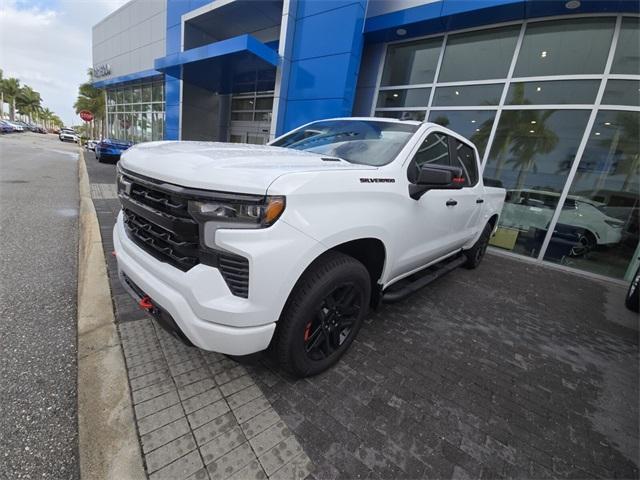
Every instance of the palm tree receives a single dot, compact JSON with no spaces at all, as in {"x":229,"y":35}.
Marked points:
{"x":28,"y":102}
{"x":92,"y":99}
{"x":10,"y":90}
{"x":521,"y":135}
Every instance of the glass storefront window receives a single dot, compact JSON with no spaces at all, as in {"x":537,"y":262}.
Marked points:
{"x":478,"y":55}
{"x":468,"y":95}
{"x":411,"y":63}
{"x":529,"y":155}
{"x":565,"y":47}
{"x":414,"y":97}
{"x":627,"y":56}
{"x":473,"y":124}
{"x":157,"y":91}
{"x":622,"y":92}
{"x":403,"y":115}
{"x":264,"y":103}
{"x":139,"y":121}
{"x":578,"y":92}
{"x":242,"y":104}
{"x":600,"y":218}
{"x":146,"y":93}
{"x":542,"y":124}
{"x":242,"y":116}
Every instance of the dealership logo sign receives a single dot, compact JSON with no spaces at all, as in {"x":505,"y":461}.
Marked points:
{"x":102,"y":70}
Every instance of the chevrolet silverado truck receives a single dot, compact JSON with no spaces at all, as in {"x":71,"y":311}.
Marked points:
{"x":239,"y":248}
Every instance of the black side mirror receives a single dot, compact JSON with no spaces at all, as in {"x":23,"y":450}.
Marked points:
{"x":436,"y":177}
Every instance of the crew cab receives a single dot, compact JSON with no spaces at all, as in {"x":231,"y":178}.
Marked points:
{"x":237,"y":248}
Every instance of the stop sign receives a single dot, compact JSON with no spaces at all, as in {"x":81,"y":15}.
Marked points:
{"x":86,"y":115}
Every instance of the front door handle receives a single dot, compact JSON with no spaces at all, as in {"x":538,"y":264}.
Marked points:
{"x":479,"y":200}
{"x":451,"y":203}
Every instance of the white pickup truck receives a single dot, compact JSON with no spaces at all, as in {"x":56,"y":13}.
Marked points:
{"x":236,"y":248}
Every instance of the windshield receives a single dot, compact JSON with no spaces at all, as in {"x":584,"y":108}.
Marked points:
{"x":357,"y":141}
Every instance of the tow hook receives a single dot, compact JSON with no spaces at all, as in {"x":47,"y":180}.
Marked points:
{"x":145,"y":303}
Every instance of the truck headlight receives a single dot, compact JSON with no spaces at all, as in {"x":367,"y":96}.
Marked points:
{"x":261,"y":213}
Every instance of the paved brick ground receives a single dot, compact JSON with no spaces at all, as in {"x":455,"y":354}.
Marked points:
{"x":511,"y":370}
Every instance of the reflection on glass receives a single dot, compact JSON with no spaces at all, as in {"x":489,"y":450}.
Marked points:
{"x":565,"y":47}
{"x":411,"y":63}
{"x":156,"y":94}
{"x":468,"y":95}
{"x":478,"y":55}
{"x":528,"y":157}
{"x":473,"y":124}
{"x":553,"y":92}
{"x":146,"y":93}
{"x":627,"y":56}
{"x":599,"y":220}
{"x":242,"y":104}
{"x":622,"y":92}
{"x":414,"y":97}
{"x":403,"y":115}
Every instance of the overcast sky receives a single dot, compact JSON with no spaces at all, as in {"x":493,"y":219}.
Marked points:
{"x":47,"y":45}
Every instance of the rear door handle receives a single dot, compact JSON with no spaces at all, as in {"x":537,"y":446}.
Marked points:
{"x":451,"y":203}
{"x":479,"y":200}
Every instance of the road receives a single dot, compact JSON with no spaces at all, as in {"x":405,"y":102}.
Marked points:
{"x":38,"y":268}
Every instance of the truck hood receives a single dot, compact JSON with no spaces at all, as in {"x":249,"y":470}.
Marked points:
{"x":230,"y":167}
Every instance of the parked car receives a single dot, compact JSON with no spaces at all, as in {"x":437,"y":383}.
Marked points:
{"x":68,"y":135}
{"x":110,"y":149}
{"x":91,"y":144}
{"x":527,"y":208}
{"x":6,"y":127}
{"x":16,"y":126}
{"x":237,"y":247}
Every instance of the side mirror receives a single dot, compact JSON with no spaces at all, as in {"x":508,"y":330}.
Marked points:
{"x":436,"y":177}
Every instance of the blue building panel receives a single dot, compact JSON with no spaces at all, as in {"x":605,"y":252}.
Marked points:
{"x":322,"y":78}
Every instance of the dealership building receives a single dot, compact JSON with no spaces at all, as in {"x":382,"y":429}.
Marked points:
{"x":549,"y":91}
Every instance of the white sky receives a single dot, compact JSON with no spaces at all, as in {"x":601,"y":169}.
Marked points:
{"x":47,"y":45}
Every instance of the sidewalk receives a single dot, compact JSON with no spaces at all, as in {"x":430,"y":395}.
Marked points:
{"x":511,"y":370}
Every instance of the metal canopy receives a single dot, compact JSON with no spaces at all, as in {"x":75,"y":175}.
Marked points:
{"x":218,"y":66}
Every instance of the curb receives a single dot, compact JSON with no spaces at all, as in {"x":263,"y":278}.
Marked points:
{"x":108,"y":441}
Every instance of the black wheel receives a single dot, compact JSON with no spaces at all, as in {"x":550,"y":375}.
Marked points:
{"x":323,"y":314}
{"x":632,"y":301}
{"x":476,"y":253}
{"x":99,"y":158}
{"x":586,"y":243}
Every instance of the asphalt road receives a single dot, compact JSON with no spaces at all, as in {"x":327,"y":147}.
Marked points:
{"x":38,"y":280}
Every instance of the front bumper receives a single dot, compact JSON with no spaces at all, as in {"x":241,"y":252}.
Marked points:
{"x":199,"y":300}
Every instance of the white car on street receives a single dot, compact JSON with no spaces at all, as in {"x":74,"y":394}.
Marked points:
{"x":68,"y":135}
{"x":236,"y":248}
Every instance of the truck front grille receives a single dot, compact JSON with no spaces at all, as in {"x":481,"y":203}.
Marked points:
{"x":157,"y":219}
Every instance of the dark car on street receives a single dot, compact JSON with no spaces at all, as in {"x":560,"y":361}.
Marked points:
{"x":111,"y":149}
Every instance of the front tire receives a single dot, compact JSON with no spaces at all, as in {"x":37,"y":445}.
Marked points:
{"x":476,"y":253}
{"x":323,"y":314}
{"x":632,"y":300}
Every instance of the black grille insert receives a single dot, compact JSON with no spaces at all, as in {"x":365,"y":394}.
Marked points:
{"x":159,"y":222}
{"x":235,"y":271}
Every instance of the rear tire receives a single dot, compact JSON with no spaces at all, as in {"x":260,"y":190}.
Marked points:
{"x":323,"y":314}
{"x":476,"y":253}
{"x":632,"y":300}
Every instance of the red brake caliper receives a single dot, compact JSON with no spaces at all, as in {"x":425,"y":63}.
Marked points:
{"x":307,"y":331}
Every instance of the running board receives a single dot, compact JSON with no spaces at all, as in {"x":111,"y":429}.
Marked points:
{"x":427,"y":276}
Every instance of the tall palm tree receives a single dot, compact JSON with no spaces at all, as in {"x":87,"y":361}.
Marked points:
{"x":28,"y":102}
{"x":521,"y":135}
{"x":46,"y":116}
{"x":10,"y":90}
{"x":92,"y":99}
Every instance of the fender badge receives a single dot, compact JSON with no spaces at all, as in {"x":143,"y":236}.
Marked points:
{"x":377,"y":180}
